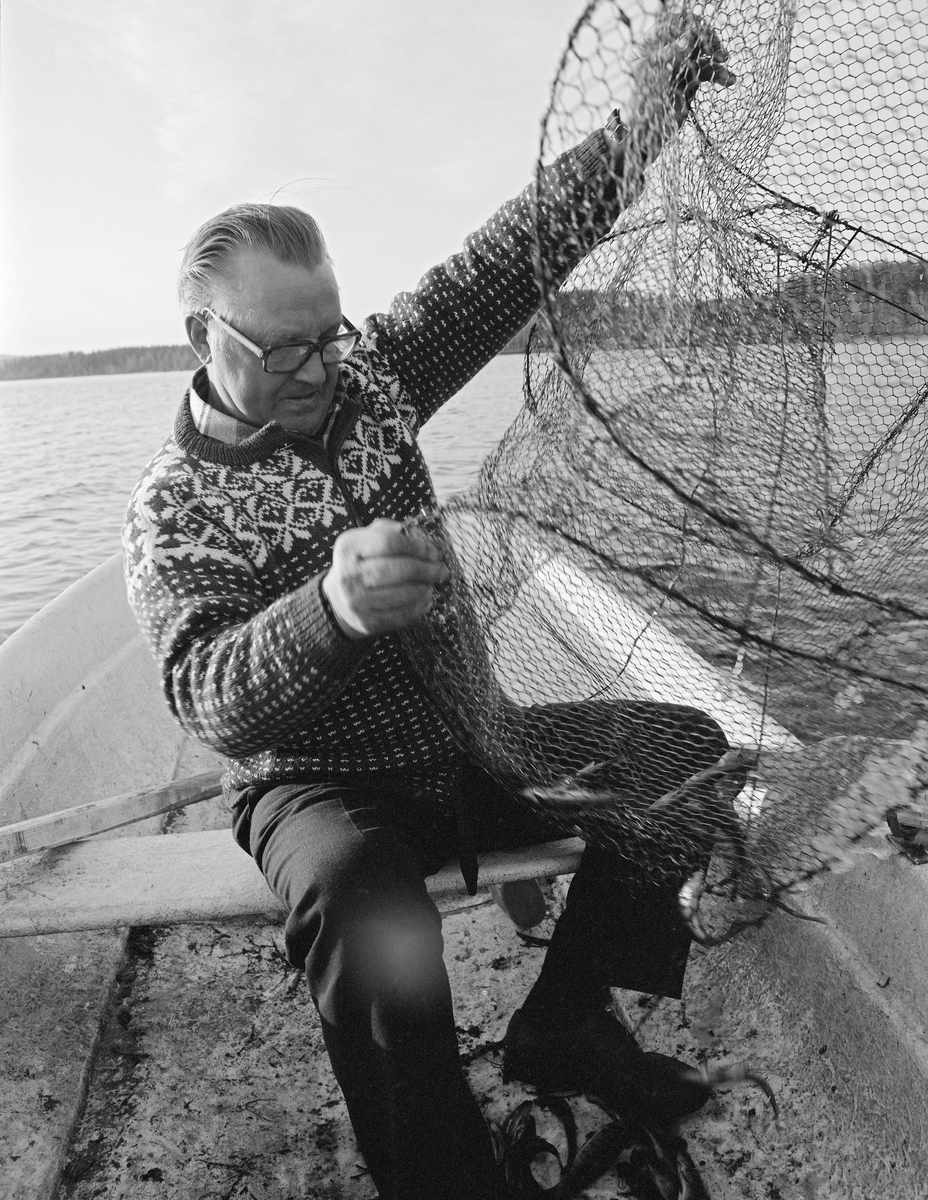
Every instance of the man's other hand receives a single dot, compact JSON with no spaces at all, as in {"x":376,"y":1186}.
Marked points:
{"x":381,"y":578}
{"x":678,"y":53}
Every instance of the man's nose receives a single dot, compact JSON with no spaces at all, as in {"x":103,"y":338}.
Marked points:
{"x":312,"y":371}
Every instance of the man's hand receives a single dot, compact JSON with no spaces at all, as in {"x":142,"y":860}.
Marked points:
{"x":381,"y":578}
{"x":665,"y":69}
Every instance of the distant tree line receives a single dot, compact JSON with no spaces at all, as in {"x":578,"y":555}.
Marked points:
{"x":124,"y":361}
{"x":881,"y":299}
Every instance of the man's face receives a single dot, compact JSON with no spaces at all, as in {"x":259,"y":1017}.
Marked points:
{"x":272,"y":303}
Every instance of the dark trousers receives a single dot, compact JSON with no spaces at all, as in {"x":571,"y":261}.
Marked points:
{"x":349,"y":861}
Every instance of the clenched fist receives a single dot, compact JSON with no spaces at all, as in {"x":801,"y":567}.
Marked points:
{"x":381,"y":578}
{"x":663,"y":73}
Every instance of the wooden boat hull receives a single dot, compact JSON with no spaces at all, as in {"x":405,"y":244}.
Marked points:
{"x":81,"y":717}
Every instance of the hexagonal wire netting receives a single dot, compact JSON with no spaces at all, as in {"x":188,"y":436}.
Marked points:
{"x":715,"y":493}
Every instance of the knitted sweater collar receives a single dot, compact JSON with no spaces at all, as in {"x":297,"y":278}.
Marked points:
{"x":217,"y":437}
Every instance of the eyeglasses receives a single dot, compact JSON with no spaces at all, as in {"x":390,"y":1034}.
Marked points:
{"x":284,"y":360}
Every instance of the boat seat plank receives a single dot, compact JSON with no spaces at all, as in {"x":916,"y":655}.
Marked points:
{"x":192,"y":877}
{"x":99,"y":816}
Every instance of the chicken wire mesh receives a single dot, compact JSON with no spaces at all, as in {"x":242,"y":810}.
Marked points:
{"x":714,"y":494}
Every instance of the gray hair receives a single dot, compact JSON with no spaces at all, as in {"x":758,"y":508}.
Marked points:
{"x":290,"y":234}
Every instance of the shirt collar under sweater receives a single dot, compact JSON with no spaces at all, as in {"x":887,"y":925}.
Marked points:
{"x":209,"y":420}
{"x":223,"y":427}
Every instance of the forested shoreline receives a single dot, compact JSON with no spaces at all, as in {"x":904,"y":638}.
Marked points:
{"x":122,"y":361}
{"x":882,"y":299}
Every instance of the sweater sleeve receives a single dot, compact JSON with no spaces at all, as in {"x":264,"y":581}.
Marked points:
{"x":463,"y":312}
{"x":240,"y":673}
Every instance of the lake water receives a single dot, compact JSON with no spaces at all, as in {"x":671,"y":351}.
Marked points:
{"x":72,"y":449}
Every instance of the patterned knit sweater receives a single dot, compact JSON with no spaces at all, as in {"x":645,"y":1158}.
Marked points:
{"x":226,"y":543}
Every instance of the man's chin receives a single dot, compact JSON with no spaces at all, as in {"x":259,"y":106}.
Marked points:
{"x":305,"y":415}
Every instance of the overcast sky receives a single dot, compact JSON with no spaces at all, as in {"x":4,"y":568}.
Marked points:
{"x":400,"y":124}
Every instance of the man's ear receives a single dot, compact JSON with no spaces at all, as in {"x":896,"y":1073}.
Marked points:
{"x":197,"y":337}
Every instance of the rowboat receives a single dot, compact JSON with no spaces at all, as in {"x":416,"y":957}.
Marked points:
{"x":155,"y":1043}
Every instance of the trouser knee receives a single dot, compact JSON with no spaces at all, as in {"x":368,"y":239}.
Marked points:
{"x":363,"y":949}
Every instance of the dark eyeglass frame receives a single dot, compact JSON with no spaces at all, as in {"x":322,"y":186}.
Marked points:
{"x":310,"y":348}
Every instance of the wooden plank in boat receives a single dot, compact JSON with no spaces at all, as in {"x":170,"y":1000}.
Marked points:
{"x":84,"y":820}
{"x":191,"y":877}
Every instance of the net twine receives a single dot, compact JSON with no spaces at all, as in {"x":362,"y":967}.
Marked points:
{"x":721,"y":453}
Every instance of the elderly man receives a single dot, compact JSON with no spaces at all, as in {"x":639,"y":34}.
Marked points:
{"x":268,"y":566}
